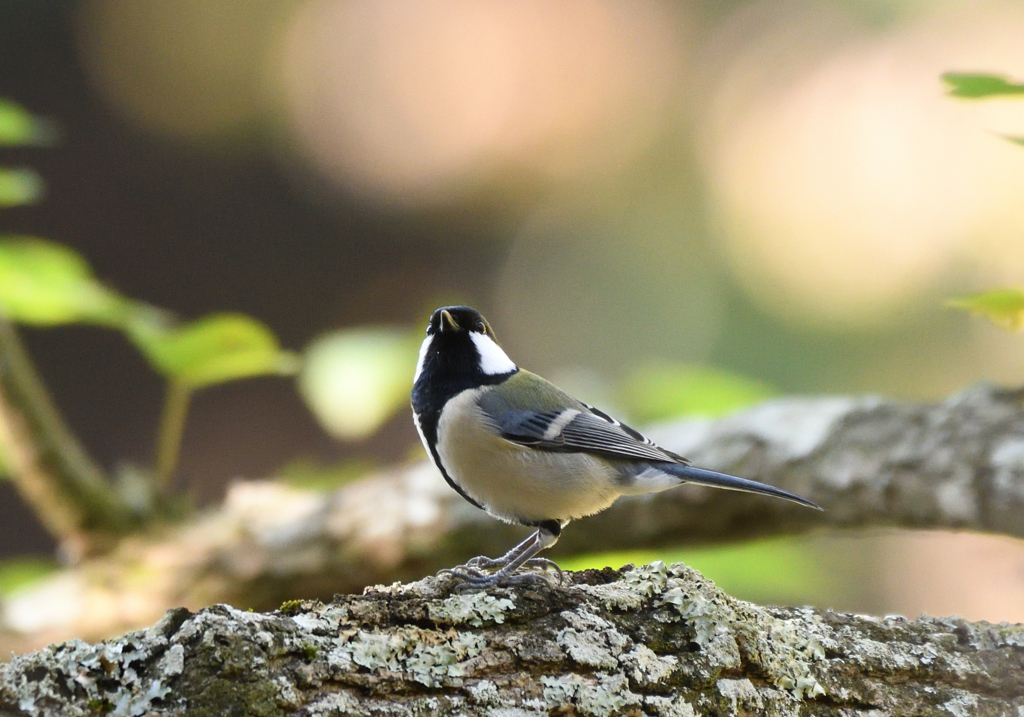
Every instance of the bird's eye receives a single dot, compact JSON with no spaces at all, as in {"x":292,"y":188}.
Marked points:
{"x":481,"y":326}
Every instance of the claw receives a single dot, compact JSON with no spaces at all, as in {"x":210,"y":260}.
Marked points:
{"x":545,"y":564}
{"x":463,"y":572}
{"x":486,"y":563}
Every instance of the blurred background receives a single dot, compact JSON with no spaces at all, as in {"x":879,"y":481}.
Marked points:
{"x":777,"y":191}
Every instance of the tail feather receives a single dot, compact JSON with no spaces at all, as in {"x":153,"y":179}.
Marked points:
{"x":701,"y":476}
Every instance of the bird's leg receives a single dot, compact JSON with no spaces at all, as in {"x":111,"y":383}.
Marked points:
{"x":477,"y":567}
{"x":522,"y":555}
{"x":482,"y":563}
{"x":485,"y":563}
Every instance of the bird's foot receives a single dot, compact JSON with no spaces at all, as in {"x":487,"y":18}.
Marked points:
{"x":475,"y":574}
{"x":484,"y":563}
{"x":502,"y":578}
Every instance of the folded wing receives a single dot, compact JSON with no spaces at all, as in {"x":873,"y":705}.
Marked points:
{"x":583,"y":429}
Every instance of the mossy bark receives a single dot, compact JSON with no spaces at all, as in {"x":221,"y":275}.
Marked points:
{"x":654,"y":640}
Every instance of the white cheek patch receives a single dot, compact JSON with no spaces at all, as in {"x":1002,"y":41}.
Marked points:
{"x":493,"y":360}
{"x":424,"y":347}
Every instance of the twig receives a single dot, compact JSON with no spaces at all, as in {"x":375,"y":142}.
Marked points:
{"x":51,"y":470}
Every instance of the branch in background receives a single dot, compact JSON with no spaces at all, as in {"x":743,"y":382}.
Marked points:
{"x":652,"y":640}
{"x":958,"y":464}
{"x":52,"y":472}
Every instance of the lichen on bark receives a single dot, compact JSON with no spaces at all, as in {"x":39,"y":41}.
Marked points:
{"x":655,"y":640}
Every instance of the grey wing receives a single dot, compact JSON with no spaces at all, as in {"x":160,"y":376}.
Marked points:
{"x":584,"y":430}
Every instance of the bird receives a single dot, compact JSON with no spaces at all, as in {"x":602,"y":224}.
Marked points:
{"x":518,"y":447}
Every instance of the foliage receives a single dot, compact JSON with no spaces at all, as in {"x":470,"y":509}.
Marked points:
{"x":19,"y":128}
{"x":45,"y":284}
{"x":980,"y":86}
{"x":212,"y":350}
{"x":1003,"y":307}
{"x":19,"y":185}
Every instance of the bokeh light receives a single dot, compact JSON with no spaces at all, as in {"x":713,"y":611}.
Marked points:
{"x":608,"y":284}
{"x":412,"y":102}
{"x":850,"y":185}
{"x":355,"y":380}
{"x":191,"y":69}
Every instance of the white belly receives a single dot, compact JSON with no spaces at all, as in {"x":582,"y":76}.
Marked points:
{"x":516,"y":483}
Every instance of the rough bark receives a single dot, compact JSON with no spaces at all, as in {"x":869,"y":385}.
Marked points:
{"x":868,"y":461}
{"x":654,"y":640}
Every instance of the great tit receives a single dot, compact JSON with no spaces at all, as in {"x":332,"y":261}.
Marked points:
{"x":520,"y":448}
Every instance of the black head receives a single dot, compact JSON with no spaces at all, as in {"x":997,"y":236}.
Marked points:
{"x":454,"y":320}
{"x":460,"y":348}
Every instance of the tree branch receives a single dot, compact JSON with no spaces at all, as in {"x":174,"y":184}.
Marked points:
{"x":957,"y":464}
{"x":647,"y":641}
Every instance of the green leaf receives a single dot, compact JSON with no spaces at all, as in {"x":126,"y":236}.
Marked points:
{"x":46,"y":284}
{"x":215,"y":349}
{"x":977,"y":85}
{"x":1015,"y":140}
{"x":1003,"y":307}
{"x":18,"y":127}
{"x":659,"y":390}
{"x":19,"y":186}
{"x":355,"y":380}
